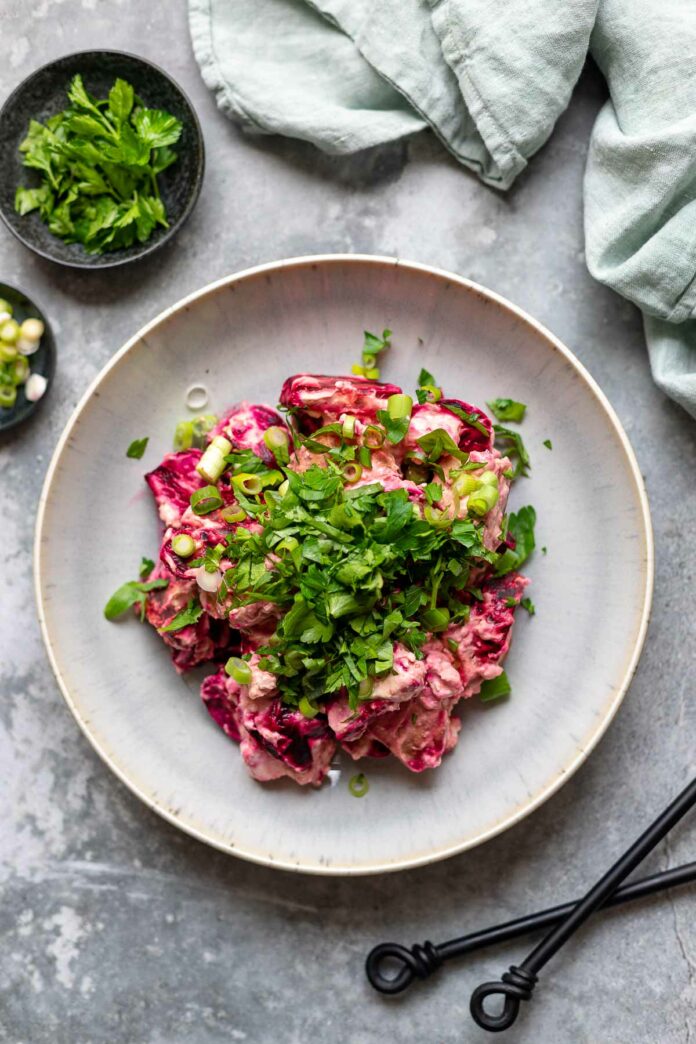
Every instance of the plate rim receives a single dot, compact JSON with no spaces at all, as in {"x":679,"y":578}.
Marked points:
{"x":562,"y":775}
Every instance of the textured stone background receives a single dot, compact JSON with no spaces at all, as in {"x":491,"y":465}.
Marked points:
{"x":117,"y":928}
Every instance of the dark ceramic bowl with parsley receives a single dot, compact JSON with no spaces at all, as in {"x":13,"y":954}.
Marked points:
{"x":101,"y":159}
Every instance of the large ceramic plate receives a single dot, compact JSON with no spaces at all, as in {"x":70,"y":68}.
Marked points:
{"x":570,"y":665}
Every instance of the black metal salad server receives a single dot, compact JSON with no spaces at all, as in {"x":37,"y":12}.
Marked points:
{"x":420,"y":961}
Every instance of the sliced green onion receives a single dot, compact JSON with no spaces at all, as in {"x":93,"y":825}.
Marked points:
{"x":212,"y":463}
{"x":489,"y":478}
{"x":369,"y":360}
{"x":432,"y":394}
{"x":365,"y":456}
{"x":358,"y":785}
{"x":442,"y":517}
{"x":8,"y":353}
{"x":277,"y":440}
{"x":239,"y":670}
{"x":399,"y":406}
{"x":205,"y":500}
{"x":19,"y":370}
{"x":365,"y":688}
{"x":32,"y":329}
{"x":233,"y":514}
{"x":358,"y":370}
{"x":352,"y":472}
{"x":435,"y":619}
{"x":5,"y":307}
{"x":183,"y":545}
{"x":348,"y":426}
{"x":8,"y":396}
{"x":248,"y":483}
{"x":307,"y":708}
{"x":9,"y":331}
{"x":183,"y":435}
{"x":283,"y":487}
{"x":465,"y":484}
{"x":372,"y":374}
{"x":485,"y":498}
{"x":373,"y":436}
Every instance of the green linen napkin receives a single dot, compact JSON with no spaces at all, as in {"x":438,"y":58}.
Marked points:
{"x":491,"y":80}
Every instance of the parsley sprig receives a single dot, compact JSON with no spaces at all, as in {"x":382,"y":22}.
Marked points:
{"x":99,"y":161}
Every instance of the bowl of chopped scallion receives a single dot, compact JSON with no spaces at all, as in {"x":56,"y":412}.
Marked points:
{"x":27,"y":356}
{"x":101,"y":159}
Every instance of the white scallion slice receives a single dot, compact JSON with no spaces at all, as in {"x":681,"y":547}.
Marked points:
{"x":35,"y":387}
{"x":197,"y":396}
{"x":212,"y":463}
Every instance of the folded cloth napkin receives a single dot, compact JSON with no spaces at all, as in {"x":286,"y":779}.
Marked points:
{"x":491,"y":80}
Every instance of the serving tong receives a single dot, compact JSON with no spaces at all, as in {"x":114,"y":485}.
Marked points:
{"x":517,"y":984}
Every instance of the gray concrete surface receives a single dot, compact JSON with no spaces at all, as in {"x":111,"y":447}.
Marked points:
{"x":116,"y":927}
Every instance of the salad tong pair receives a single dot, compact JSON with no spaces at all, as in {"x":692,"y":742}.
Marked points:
{"x":517,"y":984}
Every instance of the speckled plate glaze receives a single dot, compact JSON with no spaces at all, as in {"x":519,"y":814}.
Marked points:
{"x":570,"y":665}
{"x":43,"y":94}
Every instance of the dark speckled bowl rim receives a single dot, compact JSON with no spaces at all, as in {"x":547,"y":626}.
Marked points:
{"x":197,"y":179}
{"x":50,"y":368}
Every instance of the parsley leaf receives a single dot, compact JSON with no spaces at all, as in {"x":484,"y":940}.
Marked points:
{"x":495,"y":688}
{"x":528,"y":604}
{"x":99,"y":162}
{"x":521,"y":528}
{"x":137,"y":448}
{"x":146,"y":567}
{"x":128,"y":594}
{"x":190,"y":615}
{"x":514,"y":447}
{"x":395,"y":427}
{"x":373,"y":344}
{"x":507,"y":410}
{"x":548,"y":444}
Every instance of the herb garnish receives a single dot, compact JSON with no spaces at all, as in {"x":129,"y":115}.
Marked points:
{"x":99,"y":161}
{"x":548,"y":444}
{"x":372,"y":346}
{"x":146,"y":567}
{"x":129,"y":594}
{"x":357,"y":571}
{"x":190,"y":615}
{"x":507,"y":410}
{"x":137,"y":448}
{"x":495,"y":688}
{"x":514,"y":448}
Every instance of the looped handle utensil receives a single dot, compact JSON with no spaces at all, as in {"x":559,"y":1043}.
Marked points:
{"x":515,"y":986}
{"x":422,"y":960}
{"x":417,"y":963}
{"x":518,"y":983}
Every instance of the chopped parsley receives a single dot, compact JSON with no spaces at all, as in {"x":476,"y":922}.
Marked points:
{"x":507,"y":410}
{"x":129,"y":594}
{"x":137,"y":448}
{"x":511,"y":443}
{"x":521,"y":529}
{"x":528,"y":604}
{"x":146,"y":567}
{"x":495,"y":688}
{"x":190,"y":615}
{"x":548,"y":444}
{"x":428,"y":390}
{"x":357,"y":571}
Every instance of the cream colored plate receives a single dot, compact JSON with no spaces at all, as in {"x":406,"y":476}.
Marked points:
{"x":570,"y":665}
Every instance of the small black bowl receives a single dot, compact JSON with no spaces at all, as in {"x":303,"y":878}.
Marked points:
{"x":43,"y":360}
{"x":44,"y":94}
